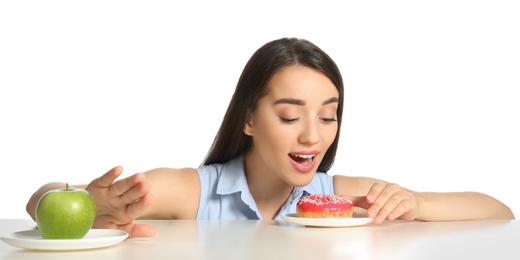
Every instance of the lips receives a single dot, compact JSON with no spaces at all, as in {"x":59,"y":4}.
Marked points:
{"x":303,"y":162}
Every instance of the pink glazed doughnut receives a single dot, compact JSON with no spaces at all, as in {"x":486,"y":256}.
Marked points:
{"x":324,"y":206}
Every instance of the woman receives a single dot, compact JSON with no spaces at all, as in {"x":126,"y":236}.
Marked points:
{"x":276,"y":143}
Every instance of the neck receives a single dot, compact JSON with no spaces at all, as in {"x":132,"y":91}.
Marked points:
{"x":268,"y":190}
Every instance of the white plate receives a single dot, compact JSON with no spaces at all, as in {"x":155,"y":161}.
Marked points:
{"x":95,"y":238}
{"x":326,"y":222}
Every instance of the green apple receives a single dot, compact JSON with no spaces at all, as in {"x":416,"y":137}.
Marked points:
{"x":65,"y":213}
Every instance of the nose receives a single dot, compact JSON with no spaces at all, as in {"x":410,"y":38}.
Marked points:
{"x":310,"y":133}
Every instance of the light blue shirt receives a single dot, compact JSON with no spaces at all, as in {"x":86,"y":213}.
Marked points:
{"x":225,"y":195}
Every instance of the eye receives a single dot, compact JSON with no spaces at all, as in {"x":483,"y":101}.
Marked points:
{"x":288,"y":120}
{"x":328,"y":119}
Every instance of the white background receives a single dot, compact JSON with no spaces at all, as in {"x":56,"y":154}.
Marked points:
{"x":432,"y":89}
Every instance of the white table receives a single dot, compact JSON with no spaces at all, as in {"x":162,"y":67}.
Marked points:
{"x":187,"y":239}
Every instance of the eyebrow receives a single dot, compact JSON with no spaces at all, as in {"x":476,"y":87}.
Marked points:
{"x":299,"y":102}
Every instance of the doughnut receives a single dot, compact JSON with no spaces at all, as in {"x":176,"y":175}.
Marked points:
{"x":324,"y":206}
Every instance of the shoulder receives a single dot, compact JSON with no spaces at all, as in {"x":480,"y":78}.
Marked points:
{"x":211,"y":169}
{"x":211,"y":172}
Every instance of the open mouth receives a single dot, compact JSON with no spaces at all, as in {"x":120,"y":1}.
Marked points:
{"x":302,"y":158}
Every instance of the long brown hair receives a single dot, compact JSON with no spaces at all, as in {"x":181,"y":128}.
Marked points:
{"x":230,"y":140}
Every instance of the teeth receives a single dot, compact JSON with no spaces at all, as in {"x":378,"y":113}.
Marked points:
{"x":305,"y":156}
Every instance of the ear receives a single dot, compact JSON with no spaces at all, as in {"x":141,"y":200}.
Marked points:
{"x":248,"y":126}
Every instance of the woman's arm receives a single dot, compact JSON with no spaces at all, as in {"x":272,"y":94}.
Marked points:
{"x":176,"y":193}
{"x":159,"y":193}
{"x":383,"y":200}
{"x":446,"y":206}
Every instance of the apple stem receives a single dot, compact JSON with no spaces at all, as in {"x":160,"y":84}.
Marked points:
{"x":66,"y":186}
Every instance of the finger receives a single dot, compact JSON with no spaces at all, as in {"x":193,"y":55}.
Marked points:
{"x":136,"y":192}
{"x":133,"y":229}
{"x":390,"y":207}
{"x":122,"y":186}
{"x":108,"y":178}
{"x":404,"y":211}
{"x":384,"y":193}
{"x":137,"y":208}
{"x":374,"y":192}
{"x":139,"y":230}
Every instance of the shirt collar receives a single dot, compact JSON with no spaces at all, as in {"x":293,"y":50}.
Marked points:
{"x":233,"y":177}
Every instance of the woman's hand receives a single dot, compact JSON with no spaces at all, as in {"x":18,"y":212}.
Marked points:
{"x":120,"y":202}
{"x":387,"y":201}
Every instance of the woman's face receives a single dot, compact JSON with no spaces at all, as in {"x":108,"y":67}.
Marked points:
{"x":293,"y":125}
